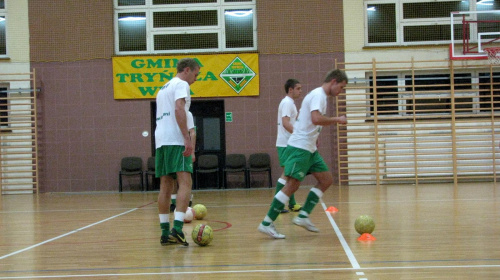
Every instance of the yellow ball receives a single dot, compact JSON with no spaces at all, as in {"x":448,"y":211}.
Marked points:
{"x":200,"y":211}
{"x":364,"y":224}
{"x":202,"y":234}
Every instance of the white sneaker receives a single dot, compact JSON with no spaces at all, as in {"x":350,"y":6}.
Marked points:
{"x":305,"y":223}
{"x":271,"y":231}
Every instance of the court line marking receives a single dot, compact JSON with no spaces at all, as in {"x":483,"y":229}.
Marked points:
{"x":246,"y":271}
{"x":68,"y":233}
{"x":341,"y":238}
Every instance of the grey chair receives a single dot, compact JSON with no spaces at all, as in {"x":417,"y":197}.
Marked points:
{"x":259,"y":162}
{"x":207,"y":164}
{"x":236,"y":163}
{"x":150,"y":171}
{"x":131,"y":166}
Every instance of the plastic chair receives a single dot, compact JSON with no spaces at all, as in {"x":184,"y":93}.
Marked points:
{"x":236,"y":163}
{"x":259,"y":162}
{"x":207,"y":164}
{"x":131,"y":166}
{"x":151,"y":165}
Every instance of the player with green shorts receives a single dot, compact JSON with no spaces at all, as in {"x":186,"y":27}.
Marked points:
{"x":174,"y":149}
{"x":287,"y":115}
{"x":302,"y":156}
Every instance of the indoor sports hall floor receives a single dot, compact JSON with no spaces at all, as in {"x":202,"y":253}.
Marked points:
{"x":428,"y":231}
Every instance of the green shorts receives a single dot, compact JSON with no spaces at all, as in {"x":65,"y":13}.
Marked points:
{"x":300,"y":162}
{"x":169,"y":161}
{"x":281,"y":156}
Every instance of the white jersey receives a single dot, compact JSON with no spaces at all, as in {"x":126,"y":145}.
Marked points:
{"x":167,"y":130}
{"x":286,"y":109}
{"x":190,"y":120}
{"x":305,"y":133}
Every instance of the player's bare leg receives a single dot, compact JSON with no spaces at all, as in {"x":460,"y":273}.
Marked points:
{"x":183,"y":196}
{"x":292,"y":204}
{"x":166,"y":187}
{"x":280,"y":200}
{"x":325,"y":180}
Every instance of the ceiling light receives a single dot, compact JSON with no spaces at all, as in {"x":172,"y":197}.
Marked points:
{"x":238,"y":13}
{"x":132,"y":18}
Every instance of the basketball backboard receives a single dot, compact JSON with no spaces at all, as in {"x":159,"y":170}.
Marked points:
{"x":472,"y":32}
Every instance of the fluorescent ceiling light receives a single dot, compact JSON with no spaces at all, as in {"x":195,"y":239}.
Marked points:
{"x":372,"y":8}
{"x":485,"y":2}
{"x":132,"y":19}
{"x":238,"y":13}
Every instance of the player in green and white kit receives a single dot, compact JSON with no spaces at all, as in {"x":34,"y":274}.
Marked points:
{"x":302,"y":156}
{"x":174,"y":148}
{"x":192,"y":135}
{"x":287,"y":115}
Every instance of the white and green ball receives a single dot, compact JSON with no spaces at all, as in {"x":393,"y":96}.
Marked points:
{"x":202,"y":234}
{"x":364,"y":224}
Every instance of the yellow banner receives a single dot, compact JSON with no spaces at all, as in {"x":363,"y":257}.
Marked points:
{"x":221,"y":75}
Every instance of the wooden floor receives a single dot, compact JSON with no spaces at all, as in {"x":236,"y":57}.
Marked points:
{"x":423,"y":232}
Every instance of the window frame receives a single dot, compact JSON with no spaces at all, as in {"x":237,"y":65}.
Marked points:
{"x":401,"y":23}
{"x":4,"y":105}
{"x":3,"y":13}
{"x":404,"y":108}
{"x":149,"y":9}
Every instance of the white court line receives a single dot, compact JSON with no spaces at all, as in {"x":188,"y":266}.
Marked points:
{"x":346,"y":247}
{"x":248,"y":271}
{"x":63,"y":235}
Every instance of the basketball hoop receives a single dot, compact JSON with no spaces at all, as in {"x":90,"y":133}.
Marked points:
{"x":493,"y":55}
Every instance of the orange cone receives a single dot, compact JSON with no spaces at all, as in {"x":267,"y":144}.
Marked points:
{"x":332,"y":209}
{"x":367,"y":237}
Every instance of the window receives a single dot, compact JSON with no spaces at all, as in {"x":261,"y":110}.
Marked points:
{"x":489,"y":91}
{"x":387,"y":95}
{"x":403,"y":22}
{"x":173,"y":26}
{"x":425,"y":94}
{"x":3,"y":107}
{"x":3,"y":33}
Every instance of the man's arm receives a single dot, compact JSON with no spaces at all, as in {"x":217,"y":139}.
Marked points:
{"x":180,"y":116}
{"x":318,"y":119}
{"x":192,"y":135}
{"x":287,"y":124}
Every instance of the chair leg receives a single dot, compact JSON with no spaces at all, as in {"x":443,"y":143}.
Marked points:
{"x":120,"y":182}
{"x":248,"y":179}
{"x":142,"y":181}
{"x":270,"y":178}
{"x":147,"y":181}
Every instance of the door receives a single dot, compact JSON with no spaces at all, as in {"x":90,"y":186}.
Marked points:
{"x":209,"y":119}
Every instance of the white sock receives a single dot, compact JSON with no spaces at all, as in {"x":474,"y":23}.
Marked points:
{"x":282,"y":197}
{"x":317,"y":191}
{"x":164,"y":218}
{"x":282,"y":181}
{"x":179,"y":216}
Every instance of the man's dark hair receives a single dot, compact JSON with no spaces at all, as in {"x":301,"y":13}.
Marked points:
{"x":336,"y":74}
{"x":290,"y":83}
{"x":187,"y":62}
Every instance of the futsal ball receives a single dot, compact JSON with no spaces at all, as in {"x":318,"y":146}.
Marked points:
{"x":364,"y":224}
{"x":200,"y":211}
{"x":188,"y":217}
{"x":202,"y":234}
